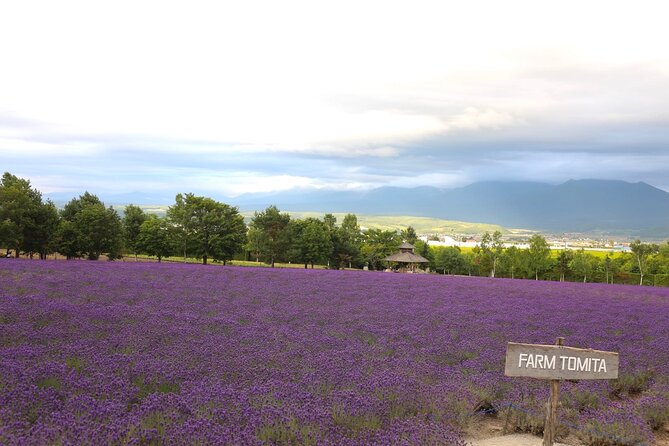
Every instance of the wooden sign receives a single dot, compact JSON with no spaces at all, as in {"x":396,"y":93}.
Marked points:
{"x":555,"y":363}
{"x":559,"y":362}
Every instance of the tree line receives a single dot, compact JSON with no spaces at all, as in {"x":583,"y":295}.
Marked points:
{"x":194,"y":226}
{"x":209,"y":230}
{"x":538,"y":261}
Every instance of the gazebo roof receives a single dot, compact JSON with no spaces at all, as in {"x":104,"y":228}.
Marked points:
{"x":406,"y":257}
{"x":406,"y":245}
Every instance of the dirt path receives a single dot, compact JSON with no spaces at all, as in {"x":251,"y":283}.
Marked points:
{"x":511,"y":440}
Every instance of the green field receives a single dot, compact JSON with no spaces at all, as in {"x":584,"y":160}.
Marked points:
{"x":422,"y":225}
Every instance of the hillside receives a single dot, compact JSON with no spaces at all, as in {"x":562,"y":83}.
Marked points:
{"x":585,"y":206}
{"x":574,"y":206}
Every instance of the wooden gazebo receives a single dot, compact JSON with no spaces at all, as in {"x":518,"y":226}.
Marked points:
{"x":406,"y":257}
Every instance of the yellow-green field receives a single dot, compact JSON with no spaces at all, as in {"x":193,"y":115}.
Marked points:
{"x":601,"y":254}
{"x":422,"y":225}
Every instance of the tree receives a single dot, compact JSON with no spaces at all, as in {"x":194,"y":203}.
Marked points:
{"x":91,"y":230}
{"x":663,"y":257}
{"x":609,"y":267}
{"x":330,"y":221}
{"x":313,"y":242}
{"x":133,"y":217}
{"x":27,"y":224}
{"x":582,"y":264}
{"x":539,"y":254}
{"x":212,"y":229}
{"x":641,"y":251}
{"x":179,"y":215}
{"x":42,"y":230}
{"x":274,"y":225}
{"x":469,"y":261}
{"x":346,"y":241}
{"x":10,"y":235}
{"x":409,"y":235}
{"x":76,"y":205}
{"x":67,"y":240}
{"x":564,"y":260}
{"x":256,"y":242}
{"x":492,"y":248}
{"x":449,"y":259}
{"x":99,"y":231}
{"x":155,"y":237}
{"x":512,"y":260}
{"x":423,"y":250}
{"x":377,"y":244}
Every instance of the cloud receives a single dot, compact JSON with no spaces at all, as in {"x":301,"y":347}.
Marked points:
{"x":254,"y":96}
{"x":474,"y":119}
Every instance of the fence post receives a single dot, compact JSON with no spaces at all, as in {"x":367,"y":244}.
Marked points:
{"x":550,"y":424}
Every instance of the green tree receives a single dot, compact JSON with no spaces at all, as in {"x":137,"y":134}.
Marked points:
{"x":67,"y":240}
{"x":377,"y":244}
{"x":563,"y":264}
{"x":539,"y":254}
{"x":346,"y":242}
{"x":330,"y":222}
{"x":313,"y":243}
{"x":274,"y":225}
{"x":663,"y":257}
{"x":469,"y":261}
{"x":582,"y":264}
{"x":256,"y":242}
{"x":100,"y":231}
{"x":42,"y":229}
{"x":180,"y":216}
{"x":641,"y":251}
{"x":409,"y":235}
{"x":512,"y":260}
{"x":155,"y":237}
{"x":27,"y":223}
{"x":133,"y":217}
{"x":423,"y":249}
{"x":492,"y":248}
{"x":10,"y":236}
{"x":449,"y":259}
{"x":92,"y":229}
{"x":214,"y":230}
{"x":76,"y":205}
{"x":609,"y":268}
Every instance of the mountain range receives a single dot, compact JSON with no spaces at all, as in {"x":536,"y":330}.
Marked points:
{"x":587,"y":206}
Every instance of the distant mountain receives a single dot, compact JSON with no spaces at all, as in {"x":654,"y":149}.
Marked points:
{"x":606,"y":206}
{"x":575,"y":206}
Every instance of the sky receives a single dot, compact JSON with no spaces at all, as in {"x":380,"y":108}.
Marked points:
{"x":236,"y":97}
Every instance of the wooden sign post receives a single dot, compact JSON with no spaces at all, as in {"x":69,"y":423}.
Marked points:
{"x":555,"y":363}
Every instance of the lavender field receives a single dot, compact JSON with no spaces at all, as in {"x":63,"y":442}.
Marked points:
{"x":138,"y":353}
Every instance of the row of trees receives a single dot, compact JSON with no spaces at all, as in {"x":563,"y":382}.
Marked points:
{"x":193,"y":227}
{"x":85,"y":227}
{"x":201,"y":227}
{"x":491,"y":257}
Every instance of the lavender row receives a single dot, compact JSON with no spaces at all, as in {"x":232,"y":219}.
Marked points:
{"x":134,"y":353}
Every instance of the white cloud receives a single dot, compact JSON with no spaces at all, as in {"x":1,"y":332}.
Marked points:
{"x":474,"y":119}
{"x":234,"y":184}
{"x":367,"y":80}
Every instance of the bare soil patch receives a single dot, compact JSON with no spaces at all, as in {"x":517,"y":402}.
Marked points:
{"x":489,"y":431}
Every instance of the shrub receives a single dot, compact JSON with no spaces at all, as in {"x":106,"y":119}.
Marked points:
{"x":617,"y":427}
{"x":631,"y":383}
{"x":654,"y":408}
